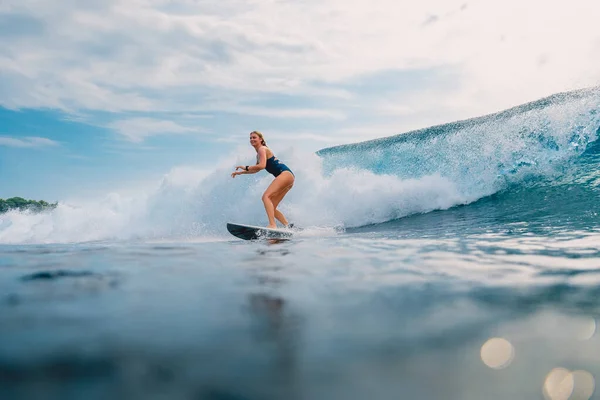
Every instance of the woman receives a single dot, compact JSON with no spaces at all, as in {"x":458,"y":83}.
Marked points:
{"x":284,"y":178}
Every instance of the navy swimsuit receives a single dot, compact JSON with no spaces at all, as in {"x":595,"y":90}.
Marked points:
{"x":275,"y":167}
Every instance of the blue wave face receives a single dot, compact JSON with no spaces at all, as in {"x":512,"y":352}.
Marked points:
{"x":535,"y":143}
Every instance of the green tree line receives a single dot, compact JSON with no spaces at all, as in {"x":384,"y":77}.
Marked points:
{"x":20,"y":203}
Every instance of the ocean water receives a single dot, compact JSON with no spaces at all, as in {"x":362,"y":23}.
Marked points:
{"x":460,"y":261}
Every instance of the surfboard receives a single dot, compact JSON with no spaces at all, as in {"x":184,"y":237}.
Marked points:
{"x":249,"y":232}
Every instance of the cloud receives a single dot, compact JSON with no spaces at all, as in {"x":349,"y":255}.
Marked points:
{"x":30,"y":141}
{"x":278,"y":112}
{"x":432,"y":19}
{"x":189,"y":56}
{"x":138,"y":129}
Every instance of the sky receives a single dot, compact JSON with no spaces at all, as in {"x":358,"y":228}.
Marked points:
{"x":99,"y":95}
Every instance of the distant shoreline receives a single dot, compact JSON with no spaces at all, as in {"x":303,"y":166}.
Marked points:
{"x":21,"y":204}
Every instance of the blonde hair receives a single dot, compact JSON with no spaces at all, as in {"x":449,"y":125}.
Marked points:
{"x":260,"y":135}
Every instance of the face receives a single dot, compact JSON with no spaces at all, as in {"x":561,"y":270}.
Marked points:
{"x":254,"y":139}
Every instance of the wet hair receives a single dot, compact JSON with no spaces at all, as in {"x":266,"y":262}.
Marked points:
{"x":260,"y":135}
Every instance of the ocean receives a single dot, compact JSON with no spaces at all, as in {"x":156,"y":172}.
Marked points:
{"x":460,"y":261}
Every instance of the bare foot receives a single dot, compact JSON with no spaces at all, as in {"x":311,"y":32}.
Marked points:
{"x":272,"y":226}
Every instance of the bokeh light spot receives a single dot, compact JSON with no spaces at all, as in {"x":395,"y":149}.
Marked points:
{"x":584,"y":385}
{"x":587,"y":329}
{"x":559,"y":384}
{"x":497,"y":353}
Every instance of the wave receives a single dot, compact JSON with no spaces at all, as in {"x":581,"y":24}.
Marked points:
{"x":547,"y":143}
{"x":484,"y":155}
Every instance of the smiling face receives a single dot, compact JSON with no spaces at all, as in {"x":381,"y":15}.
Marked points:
{"x":256,"y":139}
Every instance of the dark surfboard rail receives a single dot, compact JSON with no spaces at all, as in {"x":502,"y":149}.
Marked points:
{"x":249,"y":232}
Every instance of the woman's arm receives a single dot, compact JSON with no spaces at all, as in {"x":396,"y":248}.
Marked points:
{"x":243,"y":171}
{"x":262,"y":161}
{"x":252,"y":169}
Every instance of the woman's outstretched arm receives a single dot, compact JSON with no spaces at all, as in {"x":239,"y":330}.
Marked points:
{"x":252,"y":169}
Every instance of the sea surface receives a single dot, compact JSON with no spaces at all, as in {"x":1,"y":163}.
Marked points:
{"x":460,"y":261}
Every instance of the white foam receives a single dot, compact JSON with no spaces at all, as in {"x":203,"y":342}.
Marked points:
{"x":194,"y":206}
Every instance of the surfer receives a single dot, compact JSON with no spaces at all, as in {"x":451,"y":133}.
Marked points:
{"x":284,"y":178}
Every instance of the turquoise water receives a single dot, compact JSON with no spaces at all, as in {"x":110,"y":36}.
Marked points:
{"x":456,"y":262}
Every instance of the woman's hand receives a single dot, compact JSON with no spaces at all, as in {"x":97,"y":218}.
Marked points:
{"x":238,"y":173}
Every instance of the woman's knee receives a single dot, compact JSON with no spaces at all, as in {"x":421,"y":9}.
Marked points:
{"x":266,"y":197}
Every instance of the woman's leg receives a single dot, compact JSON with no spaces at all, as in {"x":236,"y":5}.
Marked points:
{"x":273,"y":195}
{"x":276,"y":200}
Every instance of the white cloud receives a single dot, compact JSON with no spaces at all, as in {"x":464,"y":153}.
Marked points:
{"x":138,"y":129}
{"x":189,"y":56}
{"x":276,"y":112}
{"x":30,"y":141}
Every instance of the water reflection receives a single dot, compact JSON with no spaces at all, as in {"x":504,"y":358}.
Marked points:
{"x":281,"y":330}
{"x":278,"y":327}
